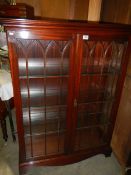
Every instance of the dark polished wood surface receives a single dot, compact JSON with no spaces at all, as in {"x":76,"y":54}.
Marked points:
{"x":67,"y":78}
{"x":60,"y":23}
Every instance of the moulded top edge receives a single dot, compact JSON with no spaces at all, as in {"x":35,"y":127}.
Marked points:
{"x":46,"y":22}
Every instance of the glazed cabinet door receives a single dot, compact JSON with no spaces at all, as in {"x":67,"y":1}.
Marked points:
{"x":98,"y":77}
{"x":42,"y":74}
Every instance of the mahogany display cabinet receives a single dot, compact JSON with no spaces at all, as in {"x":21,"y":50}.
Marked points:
{"x":67,"y":79}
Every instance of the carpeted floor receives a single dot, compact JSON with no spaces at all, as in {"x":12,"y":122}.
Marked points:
{"x":96,"y":165}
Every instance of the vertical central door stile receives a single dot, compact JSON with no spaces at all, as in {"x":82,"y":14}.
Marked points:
{"x":78,"y":65}
{"x":70,"y":100}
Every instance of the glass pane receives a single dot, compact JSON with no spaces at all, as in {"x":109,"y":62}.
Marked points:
{"x":44,"y":75}
{"x":47,"y":58}
{"x":101,"y":65}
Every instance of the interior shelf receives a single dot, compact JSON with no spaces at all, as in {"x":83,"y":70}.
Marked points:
{"x":46,"y":133}
{"x":46,"y":126}
{"x":93,"y":95}
{"x":94,"y":69}
{"x":43,"y":76}
{"x":43,"y":66}
{"x":91,"y":137}
{"x":44,"y":145}
{"x":92,"y":119}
